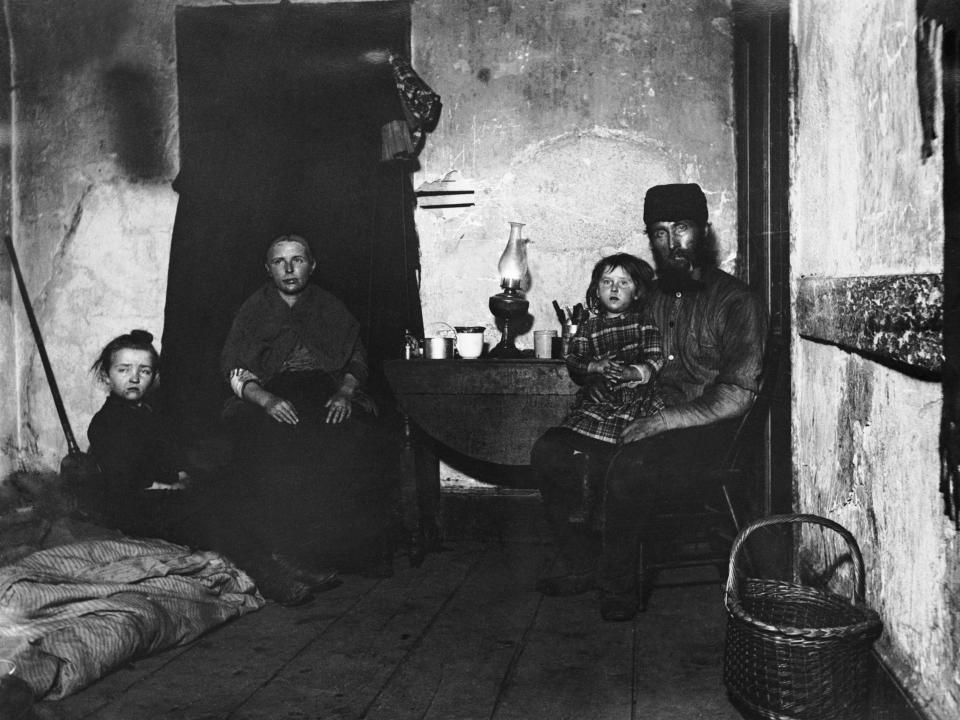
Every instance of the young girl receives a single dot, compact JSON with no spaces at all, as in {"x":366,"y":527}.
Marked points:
{"x":139,"y":460}
{"x":616,"y":353}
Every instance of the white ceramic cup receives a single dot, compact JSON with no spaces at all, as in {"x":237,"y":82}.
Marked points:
{"x":543,"y":343}
{"x":470,"y":341}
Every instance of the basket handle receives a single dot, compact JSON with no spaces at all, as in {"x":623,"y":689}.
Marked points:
{"x":858,"y":577}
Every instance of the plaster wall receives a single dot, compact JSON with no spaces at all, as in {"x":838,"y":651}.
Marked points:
{"x":94,"y":119}
{"x":562,"y":114}
{"x":8,"y":380}
{"x":866,"y":436}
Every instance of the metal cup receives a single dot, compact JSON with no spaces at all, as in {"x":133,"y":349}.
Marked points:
{"x":543,"y":343}
{"x":437,"y":348}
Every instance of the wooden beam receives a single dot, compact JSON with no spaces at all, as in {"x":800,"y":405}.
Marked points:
{"x":897,"y":318}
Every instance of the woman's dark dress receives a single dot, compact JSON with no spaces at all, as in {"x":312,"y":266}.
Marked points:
{"x":325,"y":490}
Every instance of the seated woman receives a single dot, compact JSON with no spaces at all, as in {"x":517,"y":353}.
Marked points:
{"x":311,"y":451}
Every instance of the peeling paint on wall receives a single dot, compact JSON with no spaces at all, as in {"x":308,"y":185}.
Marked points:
{"x":109,"y":277}
{"x":865,"y":205}
{"x":95,"y":102}
{"x":852,"y":422}
{"x":563,"y":114}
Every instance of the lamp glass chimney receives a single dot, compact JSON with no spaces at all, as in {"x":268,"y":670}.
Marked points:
{"x":513,"y":261}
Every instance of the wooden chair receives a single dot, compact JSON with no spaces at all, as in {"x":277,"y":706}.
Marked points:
{"x":697,"y":533}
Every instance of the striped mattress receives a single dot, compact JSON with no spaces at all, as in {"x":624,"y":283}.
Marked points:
{"x":71,"y":614}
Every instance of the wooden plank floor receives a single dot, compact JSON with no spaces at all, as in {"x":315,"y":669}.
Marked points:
{"x":462,"y":637}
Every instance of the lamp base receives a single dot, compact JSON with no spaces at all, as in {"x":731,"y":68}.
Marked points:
{"x":504,"y":350}
{"x":507,"y":305}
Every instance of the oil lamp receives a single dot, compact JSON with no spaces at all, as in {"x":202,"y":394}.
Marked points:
{"x":510,"y":304}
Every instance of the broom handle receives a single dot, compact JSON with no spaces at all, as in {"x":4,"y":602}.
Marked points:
{"x":72,"y":447}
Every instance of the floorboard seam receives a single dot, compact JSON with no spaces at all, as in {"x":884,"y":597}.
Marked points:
{"x":303,"y":648}
{"x":634,"y":669}
{"x":423,"y":632}
{"x":92,"y":713}
{"x":515,"y":658}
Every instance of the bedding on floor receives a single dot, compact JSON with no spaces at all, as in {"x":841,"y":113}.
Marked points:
{"x":72,"y":613}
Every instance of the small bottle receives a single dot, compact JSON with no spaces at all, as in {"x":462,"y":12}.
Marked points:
{"x":409,"y":345}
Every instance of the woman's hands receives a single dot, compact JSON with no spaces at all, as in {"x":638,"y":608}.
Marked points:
{"x":281,"y":410}
{"x":339,"y":406}
{"x":276,"y":407}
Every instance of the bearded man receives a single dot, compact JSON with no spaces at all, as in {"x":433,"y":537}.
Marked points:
{"x":714,"y":329}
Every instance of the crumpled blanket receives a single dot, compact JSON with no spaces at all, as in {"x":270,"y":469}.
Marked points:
{"x":73,"y":613}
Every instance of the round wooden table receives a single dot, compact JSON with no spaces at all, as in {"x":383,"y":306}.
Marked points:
{"x":489,"y":410}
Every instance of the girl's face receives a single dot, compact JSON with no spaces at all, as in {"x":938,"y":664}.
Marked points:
{"x":131,"y":374}
{"x":617,"y":291}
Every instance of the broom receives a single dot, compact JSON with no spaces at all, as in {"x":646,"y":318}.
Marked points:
{"x":76,"y":465}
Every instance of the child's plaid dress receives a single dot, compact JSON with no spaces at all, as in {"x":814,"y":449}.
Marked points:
{"x":602,"y":410}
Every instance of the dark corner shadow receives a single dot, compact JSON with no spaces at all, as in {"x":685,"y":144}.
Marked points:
{"x":136,"y":121}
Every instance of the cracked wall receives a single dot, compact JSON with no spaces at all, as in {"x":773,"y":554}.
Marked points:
{"x":865,"y":435}
{"x":94,"y":108}
{"x":561,"y":113}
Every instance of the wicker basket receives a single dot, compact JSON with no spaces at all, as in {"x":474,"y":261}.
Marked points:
{"x":795,"y":652}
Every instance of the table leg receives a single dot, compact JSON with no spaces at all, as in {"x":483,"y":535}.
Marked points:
{"x":428,"y":493}
{"x":419,"y":492}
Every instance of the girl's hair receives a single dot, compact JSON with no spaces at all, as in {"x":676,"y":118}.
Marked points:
{"x":639,"y":271}
{"x":133,"y":340}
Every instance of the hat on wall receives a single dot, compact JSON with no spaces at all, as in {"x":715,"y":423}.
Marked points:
{"x":683,"y":201}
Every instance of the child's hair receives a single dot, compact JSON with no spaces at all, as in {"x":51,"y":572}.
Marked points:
{"x":639,"y":271}
{"x":133,"y":340}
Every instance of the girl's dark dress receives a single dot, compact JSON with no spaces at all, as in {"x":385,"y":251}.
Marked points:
{"x":133,"y":450}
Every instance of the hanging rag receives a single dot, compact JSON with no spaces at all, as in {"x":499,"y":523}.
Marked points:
{"x":421,"y":105}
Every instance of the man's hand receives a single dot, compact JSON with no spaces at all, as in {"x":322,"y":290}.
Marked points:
{"x":643,"y":428}
{"x":281,"y":410}
{"x":339,"y":406}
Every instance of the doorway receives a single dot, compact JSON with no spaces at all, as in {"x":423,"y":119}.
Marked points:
{"x":761,"y":96}
{"x":281,"y":108}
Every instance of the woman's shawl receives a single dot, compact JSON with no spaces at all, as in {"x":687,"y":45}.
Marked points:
{"x":266,"y":330}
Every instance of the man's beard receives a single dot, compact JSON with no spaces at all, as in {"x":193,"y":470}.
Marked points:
{"x":675,"y":273}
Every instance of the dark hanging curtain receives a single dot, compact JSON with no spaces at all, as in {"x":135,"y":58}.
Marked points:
{"x":281,"y":110}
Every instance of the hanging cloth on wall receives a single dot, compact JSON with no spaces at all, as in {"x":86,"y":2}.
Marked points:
{"x":421,"y":105}
{"x":926,"y":85}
